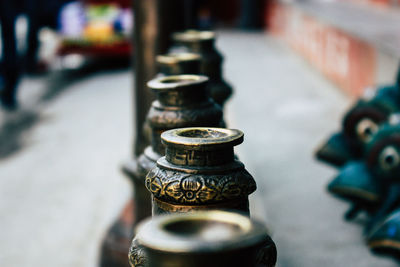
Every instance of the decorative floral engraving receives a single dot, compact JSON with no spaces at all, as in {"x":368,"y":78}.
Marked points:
{"x":137,"y":256}
{"x":183,"y":188}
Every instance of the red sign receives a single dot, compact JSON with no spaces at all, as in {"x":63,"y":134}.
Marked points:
{"x":349,"y":62}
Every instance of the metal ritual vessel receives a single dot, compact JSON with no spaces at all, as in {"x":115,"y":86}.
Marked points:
{"x":203,"y":43}
{"x":359,"y":124}
{"x":181,"y":101}
{"x":174,"y":64}
{"x":199,"y":172}
{"x":207,"y":238}
{"x":154,"y":20}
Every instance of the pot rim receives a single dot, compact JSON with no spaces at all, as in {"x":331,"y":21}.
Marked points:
{"x":174,"y":58}
{"x":193,"y":36}
{"x":153,"y":233}
{"x":191,"y":138}
{"x":176,"y":81}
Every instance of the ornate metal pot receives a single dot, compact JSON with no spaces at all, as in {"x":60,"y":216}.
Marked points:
{"x":179,"y":63}
{"x":359,"y":124}
{"x":203,"y":43}
{"x":174,"y":64}
{"x":199,"y":172}
{"x":212,"y":238}
{"x":182,"y":101}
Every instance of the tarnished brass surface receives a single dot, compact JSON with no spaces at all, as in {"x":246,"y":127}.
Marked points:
{"x":200,"y":172}
{"x":203,"y":43}
{"x":211,"y":238}
{"x":155,"y":20}
{"x":182,"y":101}
{"x":199,"y":168}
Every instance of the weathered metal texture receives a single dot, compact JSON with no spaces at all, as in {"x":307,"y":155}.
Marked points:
{"x":359,"y":124}
{"x":154,"y":20}
{"x":203,"y":43}
{"x":212,"y":238}
{"x":199,"y":172}
{"x":174,"y":64}
{"x":182,"y":101}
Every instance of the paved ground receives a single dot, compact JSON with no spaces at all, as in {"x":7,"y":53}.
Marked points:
{"x":60,"y":187}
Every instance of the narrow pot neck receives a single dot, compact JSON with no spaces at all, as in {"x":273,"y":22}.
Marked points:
{"x":199,"y":158}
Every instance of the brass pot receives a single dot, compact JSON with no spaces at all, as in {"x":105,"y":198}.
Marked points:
{"x":182,"y":101}
{"x":203,"y":43}
{"x":199,"y":172}
{"x":174,"y":64}
{"x":208,"y":238}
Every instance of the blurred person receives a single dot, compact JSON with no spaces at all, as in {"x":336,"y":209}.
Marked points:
{"x":10,"y":63}
{"x":39,"y":13}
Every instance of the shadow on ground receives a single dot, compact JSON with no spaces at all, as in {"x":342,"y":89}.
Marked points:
{"x":17,"y":124}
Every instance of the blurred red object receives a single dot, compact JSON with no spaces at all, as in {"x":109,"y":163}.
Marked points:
{"x":122,"y":3}
{"x":93,"y":42}
{"x":120,"y":49}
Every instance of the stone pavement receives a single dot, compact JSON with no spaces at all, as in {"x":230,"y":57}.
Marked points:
{"x":61,"y":188}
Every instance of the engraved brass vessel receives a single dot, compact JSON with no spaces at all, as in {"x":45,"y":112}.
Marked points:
{"x":174,"y":64}
{"x":203,"y":43}
{"x":181,"y":101}
{"x":199,"y":172}
{"x":207,"y":238}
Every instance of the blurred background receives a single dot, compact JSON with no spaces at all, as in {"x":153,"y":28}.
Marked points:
{"x":66,"y":122}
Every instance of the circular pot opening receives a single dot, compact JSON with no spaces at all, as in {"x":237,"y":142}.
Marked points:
{"x":210,"y":230}
{"x":202,"y":133}
{"x":178,"y":80}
